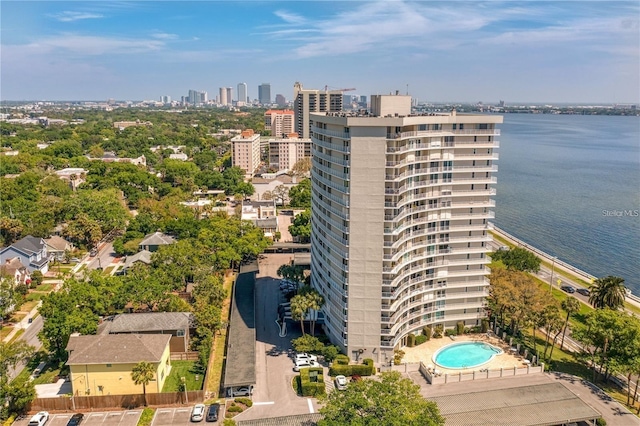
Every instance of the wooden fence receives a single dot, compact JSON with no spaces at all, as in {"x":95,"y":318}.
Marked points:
{"x":184,"y":356}
{"x":114,"y":401}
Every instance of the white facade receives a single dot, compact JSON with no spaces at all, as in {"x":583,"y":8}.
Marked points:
{"x":279,"y":122}
{"x":400,"y":211}
{"x":285,"y":152}
{"x":307,"y":101}
{"x":246,"y":152}
{"x":242,"y":92}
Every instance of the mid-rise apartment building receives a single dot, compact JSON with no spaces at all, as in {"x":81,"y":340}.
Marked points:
{"x":285,"y":152}
{"x":307,"y":101}
{"x":279,"y":122}
{"x":245,"y":152}
{"x":400,"y":211}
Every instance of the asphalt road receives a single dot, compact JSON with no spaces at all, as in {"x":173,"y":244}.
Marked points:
{"x":273,"y":394}
{"x":105,"y":256}
{"x":31,"y":337}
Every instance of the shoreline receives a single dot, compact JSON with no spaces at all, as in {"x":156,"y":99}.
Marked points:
{"x":559,"y":264}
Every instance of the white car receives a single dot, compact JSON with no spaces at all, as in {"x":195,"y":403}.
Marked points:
{"x":243,"y":391}
{"x":197,"y":414}
{"x":305,"y":356}
{"x":39,"y":419}
{"x":305,"y":363}
{"x":341,"y":382}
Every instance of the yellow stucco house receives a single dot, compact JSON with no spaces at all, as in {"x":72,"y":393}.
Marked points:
{"x":102,"y":365}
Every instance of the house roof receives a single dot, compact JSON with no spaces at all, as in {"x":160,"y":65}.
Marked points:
{"x":541,"y":405}
{"x":57,"y":243}
{"x":11,"y":266}
{"x":157,"y":239}
{"x":29,"y":244}
{"x":116,"y":348}
{"x":268,"y":223}
{"x":295,"y":420}
{"x":143,"y":256}
{"x":151,"y":321}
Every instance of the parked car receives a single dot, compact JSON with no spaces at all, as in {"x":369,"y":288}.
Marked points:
{"x":197,"y":414}
{"x":583,"y":291}
{"x":568,"y":288}
{"x":39,"y":419}
{"x":305,"y":363}
{"x":243,"y":391}
{"x":74,"y":260}
{"x":93,"y":252}
{"x":75,"y":420}
{"x":305,"y":356}
{"x":212,"y":412}
{"x":341,"y":382}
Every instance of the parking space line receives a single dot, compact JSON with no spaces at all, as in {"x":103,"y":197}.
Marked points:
{"x":264,"y":403}
{"x":310,"y":403}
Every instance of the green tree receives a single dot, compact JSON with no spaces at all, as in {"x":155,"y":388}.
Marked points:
{"x":141,"y":374}
{"x":299,"y":308}
{"x":392,"y":401}
{"x":314,"y":300}
{"x":291,"y":272}
{"x":12,"y":354}
{"x":301,"y":226}
{"x":570,"y":305}
{"x":307,"y":343}
{"x":9,"y":298}
{"x":518,"y":259}
{"x":17,"y":396}
{"x":608,"y":292}
{"x":300,"y":195}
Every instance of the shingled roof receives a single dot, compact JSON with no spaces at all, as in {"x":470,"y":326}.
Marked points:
{"x":152,"y":321}
{"x":157,"y":239}
{"x":29,"y":244}
{"x":117,"y":348}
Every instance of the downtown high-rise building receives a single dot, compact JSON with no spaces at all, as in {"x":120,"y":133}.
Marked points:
{"x":197,"y":98}
{"x":242,"y":92}
{"x":281,"y":101}
{"x":307,"y":101}
{"x":226,"y":96}
{"x":264,"y":93}
{"x":401,"y":205}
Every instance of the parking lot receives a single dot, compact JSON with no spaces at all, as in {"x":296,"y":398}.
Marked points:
{"x":111,"y":418}
{"x":172,"y":416}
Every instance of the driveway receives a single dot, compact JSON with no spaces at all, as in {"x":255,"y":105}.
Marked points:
{"x":273,"y":395}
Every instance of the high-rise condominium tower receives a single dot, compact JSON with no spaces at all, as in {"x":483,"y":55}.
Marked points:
{"x":242,"y":92}
{"x":264,"y":93}
{"x":400,"y":210}
{"x":307,"y":101}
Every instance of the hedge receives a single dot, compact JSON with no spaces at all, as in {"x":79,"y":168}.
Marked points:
{"x":341,"y":360}
{"x":369,"y":362}
{"x":421,"y":339}
{"x":411,"y":340}
{"x":245,"y":401}
{"x":310,"y":388}
{"x":351,"y":370}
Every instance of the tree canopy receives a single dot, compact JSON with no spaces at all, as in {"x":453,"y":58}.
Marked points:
{"x":518,"y":259}
{"x":608,"y":292}
{"x":391,"y":401}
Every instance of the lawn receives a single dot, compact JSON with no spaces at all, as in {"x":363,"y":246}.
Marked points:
{"x":147,"y":417}
{"x":44,"y":287}
{"x":33,"y":297}
{"x":189,"y":370}
{"x":4,"y":331}
{"x":218,"y":352}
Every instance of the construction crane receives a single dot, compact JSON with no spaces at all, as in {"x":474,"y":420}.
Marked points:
{"x":342,"y":90}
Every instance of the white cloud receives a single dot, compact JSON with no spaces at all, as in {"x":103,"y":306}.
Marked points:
{"x":70,"y":16}
{"x":164,"y":36}
{"x":290,"y":18}
{"x":89,"y":45}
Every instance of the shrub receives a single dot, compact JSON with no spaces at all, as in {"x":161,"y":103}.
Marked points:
{"x":369,"y":362}
{"x":229,"y":422}
{"x":437,"y":333}
{"x":341,"y":360}
{"x":427,"y":332}
{"x":411,"y":340}
{"x":421,"y":339}
{"x":21,"y":289}
{"x":234,"y":409}
{"x":450,"y":332}
{"x":245,"y":401}
{"x":601,"y":422}
{"x":351,"y":370}
{"x":460,"y":328}
{"x":330,"y":352}
{"x":36,"y":278}
{"x":484,"y":325}
{"x":397,"y":356}
{"x":310,"y":388}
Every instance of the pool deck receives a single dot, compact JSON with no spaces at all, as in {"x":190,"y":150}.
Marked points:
{"x":425,"y":351}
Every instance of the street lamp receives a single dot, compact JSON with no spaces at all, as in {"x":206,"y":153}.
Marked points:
{"x":551,"y":276}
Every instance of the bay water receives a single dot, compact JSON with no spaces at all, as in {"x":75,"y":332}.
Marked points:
{"x":570,"y":186}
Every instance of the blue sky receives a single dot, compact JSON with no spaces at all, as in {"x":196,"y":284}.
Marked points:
{"x":518,"y":51}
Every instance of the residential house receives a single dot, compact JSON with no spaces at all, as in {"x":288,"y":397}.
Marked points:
{"x":57,"y":246}
{"x":258,"y":209}
{"x":74,"y":175}
{"x":143,"y":256}
{"x":178,"y":325}
{"x":153,"y":241}
{"x":102,"y":364}
{"x":32,"y":252}
{"x":14,"y":270}
{"x":268,"y":225}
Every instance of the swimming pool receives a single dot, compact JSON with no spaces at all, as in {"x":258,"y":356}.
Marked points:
{"x":465,"y":355}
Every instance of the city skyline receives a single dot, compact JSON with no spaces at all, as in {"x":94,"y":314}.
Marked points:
{"x":581,"y":52}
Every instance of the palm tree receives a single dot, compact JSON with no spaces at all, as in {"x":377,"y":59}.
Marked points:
{"x":299,"y":307}
{"x":571,"y":305}
{"x":315,"y":301}
{"x":608,"y":292}
{"x":142,"y":373}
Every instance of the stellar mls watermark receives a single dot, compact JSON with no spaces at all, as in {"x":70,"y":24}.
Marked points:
{"x":621,"y":213}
